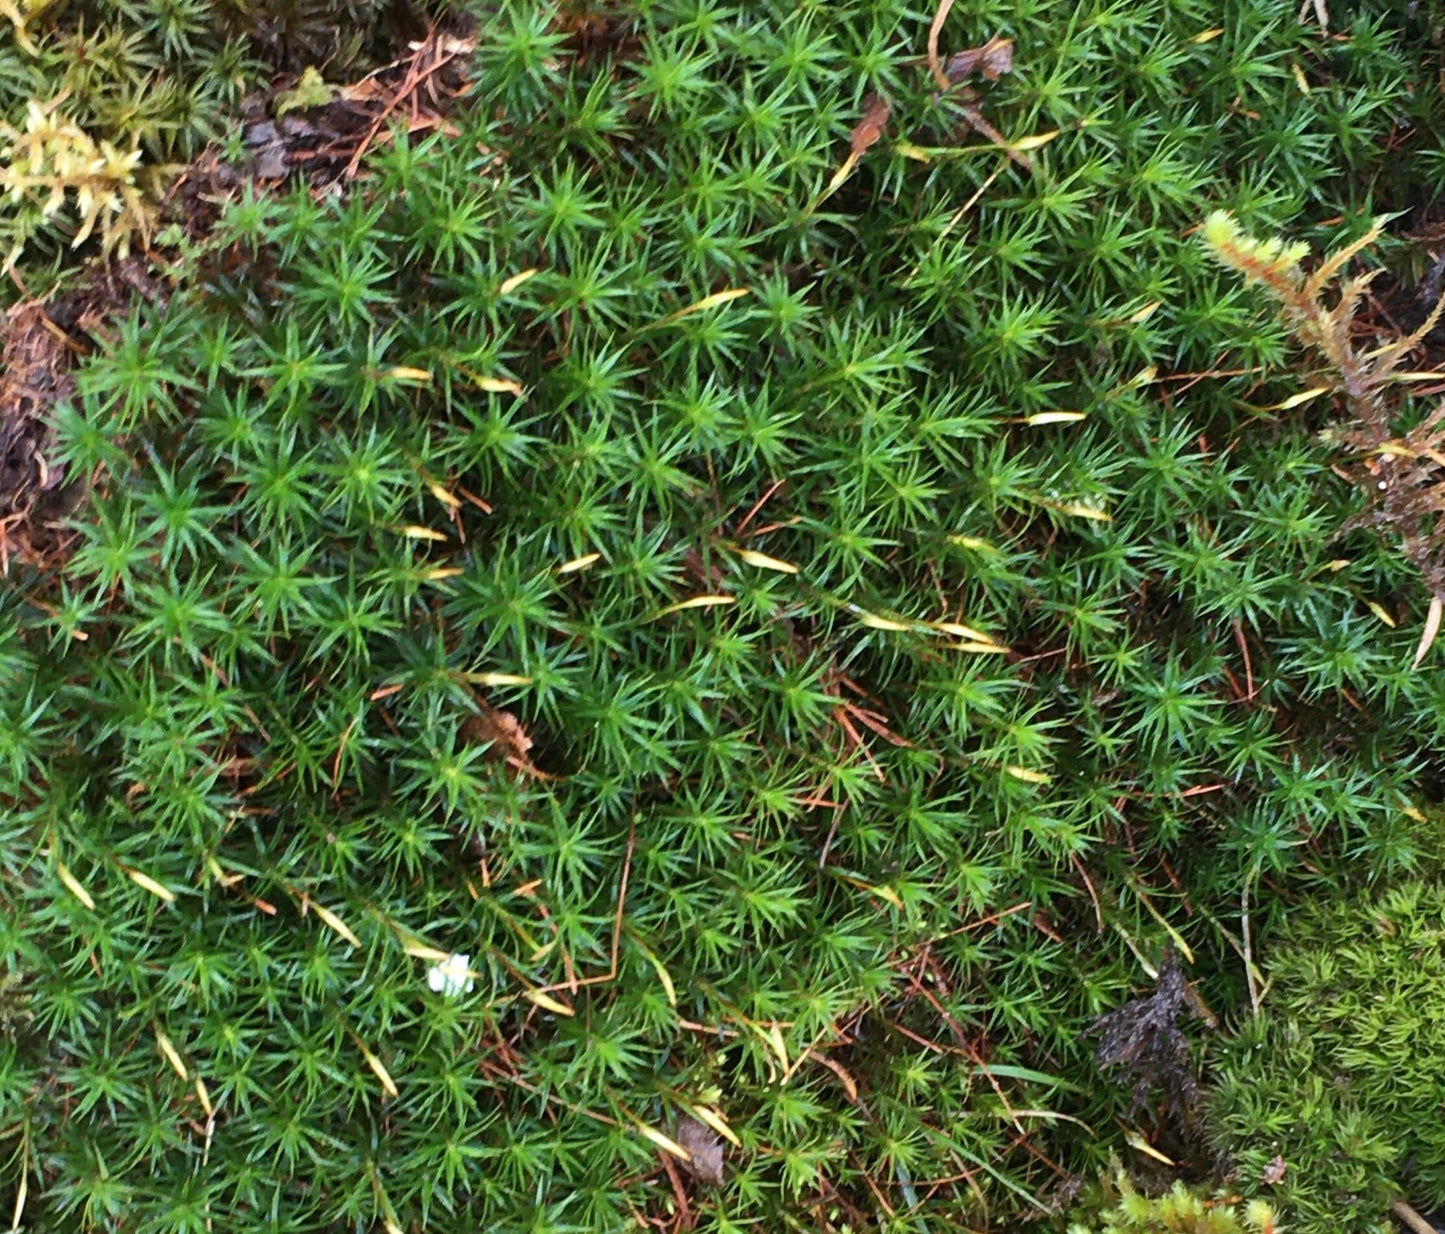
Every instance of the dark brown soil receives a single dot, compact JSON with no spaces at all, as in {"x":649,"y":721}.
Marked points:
{"x":36,"y":356}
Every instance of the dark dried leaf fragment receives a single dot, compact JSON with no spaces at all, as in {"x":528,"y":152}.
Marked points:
{"x":1143,"y":1040}
{"x":501,"y":731}
{"x":704,"y":1147}
{"x":991,"y":61}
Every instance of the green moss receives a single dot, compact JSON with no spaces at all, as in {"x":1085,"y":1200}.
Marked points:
{"x":1180,"y":1210}
{"x":1340,"y":1077}
{"x":740,"y":681}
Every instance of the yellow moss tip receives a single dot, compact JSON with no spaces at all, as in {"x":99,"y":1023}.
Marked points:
{"x":1260,"y":1216}
{"x":1294,"y":253}
{"x":1270,"y":261}
{"x":1220,"y":229}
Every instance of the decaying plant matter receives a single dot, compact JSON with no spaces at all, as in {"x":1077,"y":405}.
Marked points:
{"x":36,"y":357}
{"x":1144,"y":1041}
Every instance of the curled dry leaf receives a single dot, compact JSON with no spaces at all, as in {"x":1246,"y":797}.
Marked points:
{"x":870,"y":128}
{"x":865,"y":134}
{"x":499,"y":728}
{"x":991,"y":61}
{"x":940,"y":15}
{"x":704,"y":1149}
{"x":509,"y":742}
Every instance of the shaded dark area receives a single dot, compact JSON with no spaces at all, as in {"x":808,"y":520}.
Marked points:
{"x":291,"y":34}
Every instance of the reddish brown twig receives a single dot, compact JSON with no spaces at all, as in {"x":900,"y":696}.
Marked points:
{"x":416,"y":75}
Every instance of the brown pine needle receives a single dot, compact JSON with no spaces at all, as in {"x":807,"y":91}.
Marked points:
{"x":934,"y":30}
{"x":1432,"y":628}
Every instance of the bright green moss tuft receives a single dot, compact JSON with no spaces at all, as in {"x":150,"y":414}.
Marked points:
{"x":1180,"y":1210}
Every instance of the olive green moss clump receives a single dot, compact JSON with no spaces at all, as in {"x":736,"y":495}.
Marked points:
{"x":1181,"y":1210}
{"x":1340,"y":1079}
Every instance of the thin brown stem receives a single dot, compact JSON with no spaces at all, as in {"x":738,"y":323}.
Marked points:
{"x":1411,"y":1218}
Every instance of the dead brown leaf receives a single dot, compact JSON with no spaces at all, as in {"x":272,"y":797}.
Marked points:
{"x":507,"y":740}
{"x":992,"y":61}
{"x":1432,"y":628}
{"x":870,"y":128}
{"x":367,"y":90}
{"x":501,"y":730}
{"x":704,"y":1149}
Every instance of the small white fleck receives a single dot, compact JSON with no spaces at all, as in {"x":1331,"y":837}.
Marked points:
{"x":1382,"y":486}
{"x":451,"y":976}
